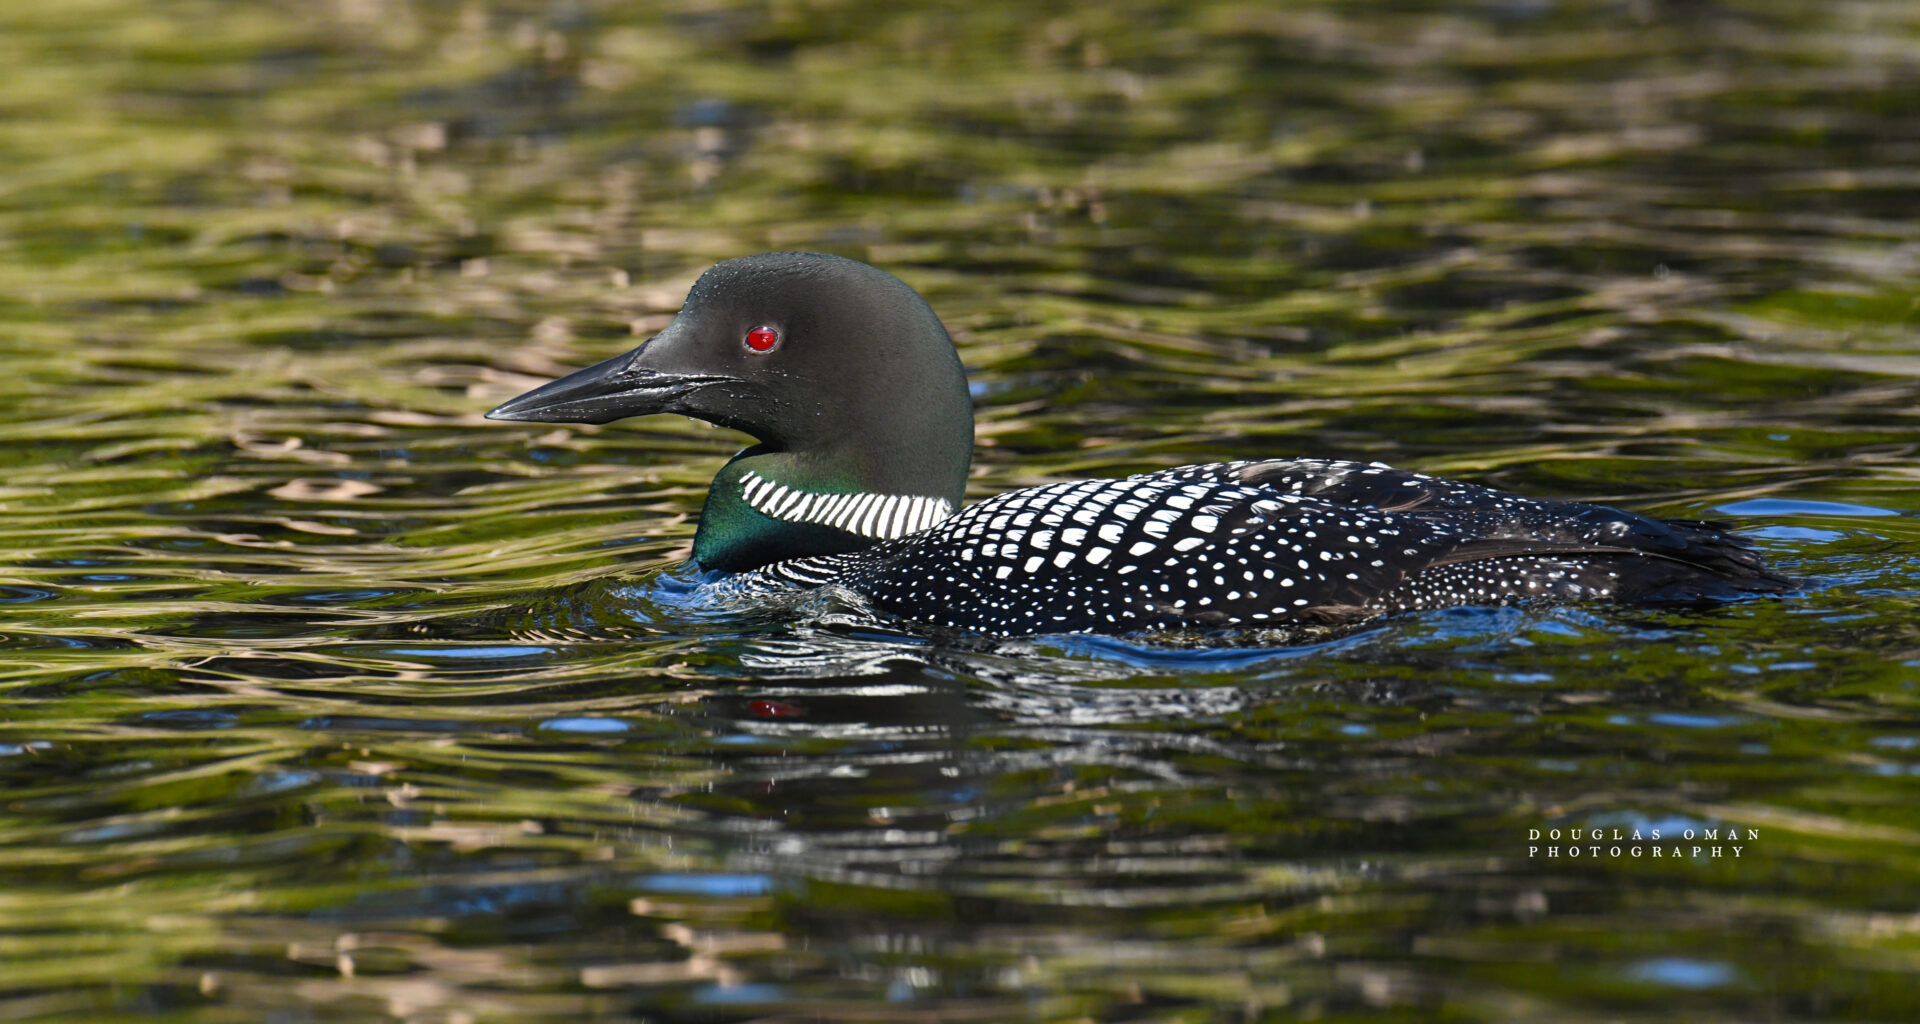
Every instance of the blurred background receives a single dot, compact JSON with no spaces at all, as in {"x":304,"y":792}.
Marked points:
{"x":323,"y":699}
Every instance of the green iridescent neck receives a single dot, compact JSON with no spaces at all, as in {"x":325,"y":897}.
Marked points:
{"x":770,"y":506}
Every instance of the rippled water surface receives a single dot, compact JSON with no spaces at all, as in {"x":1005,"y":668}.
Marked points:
{"x":323,"y":699}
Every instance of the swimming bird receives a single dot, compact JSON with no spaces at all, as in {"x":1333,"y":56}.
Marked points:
{"x":858,"y":401}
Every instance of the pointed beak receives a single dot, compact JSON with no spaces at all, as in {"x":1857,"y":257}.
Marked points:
{"x":605,"y":392}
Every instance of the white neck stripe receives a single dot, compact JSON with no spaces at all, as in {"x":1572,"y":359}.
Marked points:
{"x":869,"y":515}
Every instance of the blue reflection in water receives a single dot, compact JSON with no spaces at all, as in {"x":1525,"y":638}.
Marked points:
{"x":1678,"y":718}
{"x":1799,"y":507}
{"x":1680,"y":972}
{"x":490,"y":653}
{"x":1794,"y":533}
{"x":1672,"y":826}
{"x":1693,"y":721}
{"x":191,"y":718}
{"x":750,"y":993}
{"x":590,"y":726}
{"x":709,"y":885}
{"x":1151,"y":656}
{"x":345,"y":596}
{"x":269,"y":783}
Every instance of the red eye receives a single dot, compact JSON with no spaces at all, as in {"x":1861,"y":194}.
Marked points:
{"x":763,"y":339}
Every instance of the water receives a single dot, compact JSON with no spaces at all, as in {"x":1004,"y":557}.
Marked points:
{"x":327,"y":700}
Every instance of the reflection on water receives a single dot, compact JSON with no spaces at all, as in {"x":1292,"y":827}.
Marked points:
{"x":327,"y":700}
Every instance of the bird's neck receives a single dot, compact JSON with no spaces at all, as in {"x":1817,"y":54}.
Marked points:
{"x":767,"y":506}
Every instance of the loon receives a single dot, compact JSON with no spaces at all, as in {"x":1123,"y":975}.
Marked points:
{"x":864,"y":422}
